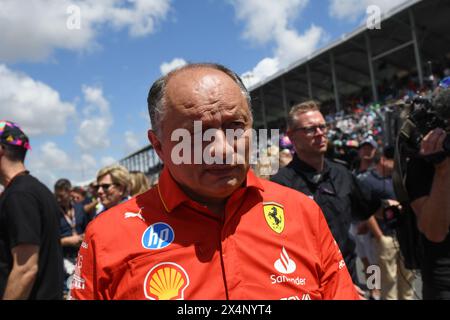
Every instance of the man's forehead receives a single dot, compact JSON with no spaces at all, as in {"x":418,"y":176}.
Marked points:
{"x":310,"y":116}
{"x":203,"y":90}
{"x":190,"y":82}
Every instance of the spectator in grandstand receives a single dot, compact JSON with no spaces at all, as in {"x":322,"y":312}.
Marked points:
{"x":366,"y":155}
{"x":73,"y":222}
{"x":113,"y":186}
{"x":30,"y":251}
{"x":331,"y":185}
{"x":285,"y":157}
{"x":396,"y":280}
{"x":286,"y":150}
{"x":139,"y":183}
{"x":248,"y":237}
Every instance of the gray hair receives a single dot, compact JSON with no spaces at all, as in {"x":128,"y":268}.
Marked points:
{"x":156,"y":99}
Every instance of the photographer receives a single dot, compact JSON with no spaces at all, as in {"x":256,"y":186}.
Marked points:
{"x":428,"y":186}
{"x":395,"y":278}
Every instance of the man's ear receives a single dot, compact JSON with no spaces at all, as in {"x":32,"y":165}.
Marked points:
{"x":154,"y":141}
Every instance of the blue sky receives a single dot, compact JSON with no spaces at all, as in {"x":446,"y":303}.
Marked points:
{"x":80,"y":94}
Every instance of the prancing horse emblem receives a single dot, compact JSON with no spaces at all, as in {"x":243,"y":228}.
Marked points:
{"x":274,"y":214}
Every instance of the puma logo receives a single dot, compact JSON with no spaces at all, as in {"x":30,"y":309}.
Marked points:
{"x":134,"y":214}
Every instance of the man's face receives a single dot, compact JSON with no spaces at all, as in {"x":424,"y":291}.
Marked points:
{"x":366,"y":152}
{"x":307,"y":141}
{"x":110,"y":194}
{"x":77,"y":197}
{"x":212,"y":97}
{"x":62,"y":196}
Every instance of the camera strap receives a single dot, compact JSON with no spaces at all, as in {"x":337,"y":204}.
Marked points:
{"x":399,"y":173}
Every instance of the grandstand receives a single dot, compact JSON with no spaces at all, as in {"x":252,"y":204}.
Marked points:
{"x":145,"y":160}
{"x":412,"y":36}
{"x":412,"y":44}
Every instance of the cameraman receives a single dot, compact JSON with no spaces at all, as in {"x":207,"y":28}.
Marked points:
{"x":428,"y":185}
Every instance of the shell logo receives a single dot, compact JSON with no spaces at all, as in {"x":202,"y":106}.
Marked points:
{"x":166,"y":281}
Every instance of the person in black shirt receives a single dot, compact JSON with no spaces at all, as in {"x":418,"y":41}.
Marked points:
{"x":30,"y":252}
{"x":428,"y":187}
{"x":331,"y":185}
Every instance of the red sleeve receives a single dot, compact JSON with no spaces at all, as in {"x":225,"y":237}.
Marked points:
{"x":84,"y":282}
{"x":335,"y":280}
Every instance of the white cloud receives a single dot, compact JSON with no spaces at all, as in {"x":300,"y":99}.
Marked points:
{"x":53,"y":157}
{"x":265,"y":68}
{"x":47,"y":23}
{"x":266,"y":18}
{"x":353,"y":9}
{"x":292,"y":46}
{"x":166,"y":67}
{"x":131,"y":141}
{"x":50,"y":163}
{"x":35,"y":106}
{"x":93,"y":130}
{"x":269,"y":21}
{"x":93,"y":134}
{"x":94,"y":97}
{"x":88,"y":161}
{"x":106,"y":161}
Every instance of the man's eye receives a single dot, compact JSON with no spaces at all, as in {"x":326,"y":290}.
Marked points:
{"x":236,"y":125}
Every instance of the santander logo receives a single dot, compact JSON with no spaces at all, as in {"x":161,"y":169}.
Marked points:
{"x":285,"y":265}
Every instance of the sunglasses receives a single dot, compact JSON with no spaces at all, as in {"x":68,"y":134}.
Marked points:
{"x":310,"y":131}
{"x":104,"y":186}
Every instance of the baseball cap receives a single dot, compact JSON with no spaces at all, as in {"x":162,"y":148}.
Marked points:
{"x":10,"y":133}
{"x":370,"y":142}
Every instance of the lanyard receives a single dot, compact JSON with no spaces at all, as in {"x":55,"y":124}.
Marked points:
{"x":69,"y":216}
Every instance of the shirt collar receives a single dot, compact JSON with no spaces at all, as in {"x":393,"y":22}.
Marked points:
{"x":300,"y":164}
{"x":172,"y":195}
{"x":309,"y":172}
{"x":377,"y":175}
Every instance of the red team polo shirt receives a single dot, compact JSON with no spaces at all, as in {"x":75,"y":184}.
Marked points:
{"x":272,"y":243}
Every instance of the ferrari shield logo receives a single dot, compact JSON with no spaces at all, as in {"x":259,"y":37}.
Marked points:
{"x":274,"y":214}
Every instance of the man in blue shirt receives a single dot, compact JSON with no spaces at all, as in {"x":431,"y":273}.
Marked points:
{"x":73,"y":222}
{"x":396,"y":280}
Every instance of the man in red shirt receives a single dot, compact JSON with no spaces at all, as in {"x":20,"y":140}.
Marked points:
{"x":209,"y":231}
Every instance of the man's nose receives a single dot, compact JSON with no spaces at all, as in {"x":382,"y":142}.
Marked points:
{"x":319,"y":131}
{"x":219,"y":148}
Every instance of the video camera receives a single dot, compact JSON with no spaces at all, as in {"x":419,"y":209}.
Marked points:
{"x":425,"y":115}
